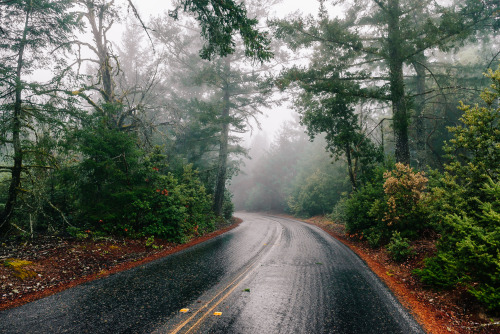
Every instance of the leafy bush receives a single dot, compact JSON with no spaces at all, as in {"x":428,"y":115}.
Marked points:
{"x":404,"y":191}
{"x":75,"y":232}
{"x":391,"y":201}
{"x":474,"y":150}
{"x":399,"y":247}
{"x":109,"y":177}
{"x":122,"y":191}
{"x":339,"y":210}
{"x":441,"y":271}
{"x":469,"y":252}
{"x":316,"y":194}
{"x":360,"y":217}
{"x":373,"y":237}
{"x":228,"y":206}
{"x":445,"y":196}
{"x":175,"y":209}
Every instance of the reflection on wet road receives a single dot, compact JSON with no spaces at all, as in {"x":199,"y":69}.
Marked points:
{"x":269,"y":275}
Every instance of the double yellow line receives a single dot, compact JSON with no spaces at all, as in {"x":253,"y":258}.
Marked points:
{"x":206,"y":309}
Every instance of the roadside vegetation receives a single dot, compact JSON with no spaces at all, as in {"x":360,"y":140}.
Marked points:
{"x":435,"y":231}
{"x":459,"y":206}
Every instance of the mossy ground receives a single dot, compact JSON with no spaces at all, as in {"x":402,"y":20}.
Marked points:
{"x":17,"y":267}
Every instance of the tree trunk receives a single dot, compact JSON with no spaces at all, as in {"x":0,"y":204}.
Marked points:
{"x":419,"y":113}
{"x":220,"y":186}
{"x":398,"y":98}
{"x":16,"y":171}
{"x":352,"y":172}
{"x":105,"y":67}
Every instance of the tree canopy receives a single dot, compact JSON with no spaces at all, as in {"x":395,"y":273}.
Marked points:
{"x":361,"y":55}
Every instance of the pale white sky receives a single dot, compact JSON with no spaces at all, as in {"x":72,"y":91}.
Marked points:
{"x":155,"y":7}
{"x":271,"y":120}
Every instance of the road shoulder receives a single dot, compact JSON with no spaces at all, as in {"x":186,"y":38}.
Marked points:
{"x":52,"y":265}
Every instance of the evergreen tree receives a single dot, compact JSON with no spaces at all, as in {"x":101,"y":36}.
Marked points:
{"x":343,"y":132}
{"x":241,"y":94}
{"x":186,"y":127}
{"x":219,"y":20}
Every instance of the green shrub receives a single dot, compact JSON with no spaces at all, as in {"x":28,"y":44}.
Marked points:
{"x":339,"y":210}
{"x":445,"y":196}
{"x":469,"y":254}
{"x":121,"y":192}
{"x":228,"y":206}
{"x":392,"y":201}
{"x":468,"y":198}
{"x":359,"y":217}
{"x":441,"y":270}
{"x":399,"y":247}
{"x":107,"y":180}
{"x":316,"y":194}
{"x":373,"y":237}
{"x":175,"y":209}
{"x":75,"y":232}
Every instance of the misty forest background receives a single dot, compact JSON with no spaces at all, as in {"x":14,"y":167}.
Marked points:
{"x":396,"y":134}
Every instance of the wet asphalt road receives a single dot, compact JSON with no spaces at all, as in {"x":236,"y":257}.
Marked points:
{"x":269,"y":275}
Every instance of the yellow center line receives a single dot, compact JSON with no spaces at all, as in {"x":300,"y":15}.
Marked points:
{"x":178,"y":328}
{"x":213,"y":307}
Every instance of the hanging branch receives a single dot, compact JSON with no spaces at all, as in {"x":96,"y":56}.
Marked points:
{"x":136,"y":14}
{"x":492,"y":60}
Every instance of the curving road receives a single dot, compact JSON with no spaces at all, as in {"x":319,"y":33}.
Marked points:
{"x":269,"y":275}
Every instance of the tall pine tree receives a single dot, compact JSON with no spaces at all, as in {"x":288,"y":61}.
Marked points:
{"x":33,"y":32}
